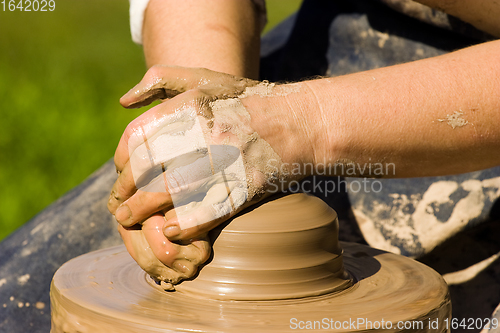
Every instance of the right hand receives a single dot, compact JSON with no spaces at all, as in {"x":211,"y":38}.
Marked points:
{"x":194,"y":159}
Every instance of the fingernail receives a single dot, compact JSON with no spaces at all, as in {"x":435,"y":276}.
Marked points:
{"x":123,"y":213}
{"x":129,"y":94}
{"x":171,"y":231}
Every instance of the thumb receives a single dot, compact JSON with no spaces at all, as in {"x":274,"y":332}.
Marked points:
{"x":161,"y":82}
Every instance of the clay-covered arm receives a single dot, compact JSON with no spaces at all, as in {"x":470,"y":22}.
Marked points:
{"x":430,"y":117}
{"x":222,"y":35}
{"x":482,"y":14}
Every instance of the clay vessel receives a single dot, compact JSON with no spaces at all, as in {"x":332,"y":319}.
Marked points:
{"x":275,"y":251}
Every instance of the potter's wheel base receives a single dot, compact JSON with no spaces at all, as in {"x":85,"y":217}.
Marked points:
{"x":105,"y":291}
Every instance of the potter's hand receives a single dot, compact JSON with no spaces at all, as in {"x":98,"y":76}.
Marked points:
{"x":193,"y":161}
{"x":165,"y":261}
{"x":195,"y":158}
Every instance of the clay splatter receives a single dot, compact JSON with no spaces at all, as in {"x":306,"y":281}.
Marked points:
{"x":455,"y":120}
{"x":23,"y":279}
{"x":442,"y":211}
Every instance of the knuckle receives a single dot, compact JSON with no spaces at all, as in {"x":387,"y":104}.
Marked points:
{"x":111,"y":204}
{"x":204,"y":254}
{"x":130,"y":130}
{"x":113,"y":201}
{"x":195,"y":94}
{"x":114,"y":195}
{"x":156,"y":72}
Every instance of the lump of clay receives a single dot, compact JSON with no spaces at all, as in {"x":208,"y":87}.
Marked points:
{"x":289,"y":245}
{"x":286,"y":248}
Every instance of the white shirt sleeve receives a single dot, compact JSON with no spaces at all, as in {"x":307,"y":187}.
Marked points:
{"x":138,"y":7}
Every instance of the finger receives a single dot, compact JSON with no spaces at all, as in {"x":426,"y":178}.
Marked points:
{"x":148,"y":163}
{"x":221,"y":201}
{"x":123,"y":188}
{"x":131,"y":206}
{"x":199,"y":224}
{"x":162,"y":82}
{"x":162,"y":248}
{"x":142,"y":205}
{"x":148,"y":171}
{"x":141,"y":252}
{"x":163,"y":117}
{"x":152,"y":197}
{"x":134,"y":197}
{"x":135,"y":133}
{"x":197,"y":251}
{"x":154,"y":178}
{"x":125,"y":234}
{"x":184,"y":259}
{"x":186,"y":267}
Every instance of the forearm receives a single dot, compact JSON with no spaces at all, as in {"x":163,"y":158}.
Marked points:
{"x":482,"y":14}
{"x":397,"y":114}
{"x":221,"y":35}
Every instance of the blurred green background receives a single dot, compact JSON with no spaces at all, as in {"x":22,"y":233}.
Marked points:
{"x":61,"y":75}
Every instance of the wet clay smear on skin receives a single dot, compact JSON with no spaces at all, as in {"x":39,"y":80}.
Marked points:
{"x":232,"y":116}
{"x":455,"y":120}
{"x":267,"y":89}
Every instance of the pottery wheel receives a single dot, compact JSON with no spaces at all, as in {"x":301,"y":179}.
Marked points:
{"x":106,"y":291}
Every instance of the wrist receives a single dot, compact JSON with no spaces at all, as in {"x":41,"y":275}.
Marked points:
{"x":280,"y":118}
{"x":325,"y":111}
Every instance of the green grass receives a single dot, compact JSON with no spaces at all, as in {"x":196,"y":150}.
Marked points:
{"x":61,"y":75}
{"x":278,"y":10}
